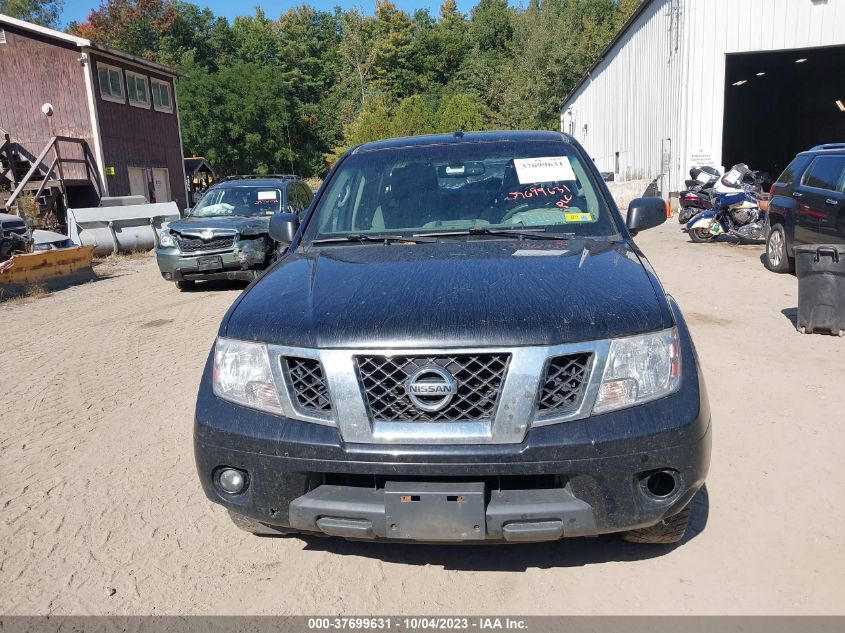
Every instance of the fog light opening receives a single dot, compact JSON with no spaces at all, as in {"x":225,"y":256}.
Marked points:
{"x":661,"y":484}
{"x":231,"y":481}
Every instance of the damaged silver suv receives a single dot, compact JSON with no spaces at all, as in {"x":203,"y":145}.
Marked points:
{"x":226,"y":235}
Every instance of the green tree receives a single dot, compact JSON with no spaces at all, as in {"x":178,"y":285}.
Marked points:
{"x":43,"y":12}
{"x":491,"y":27}
{"x":135,"y":26}
{"x":442,"y":46}
{"x":264,"y":94}
{"x":395,"y":71}
{"x":255,"y":39}
{"x":461,"y":112}
{"x":373,"y":122}
{"x":356,"y":47}
{"x":239,"y":118}
{"x":413,"y":116}
{"x":308,"y":61}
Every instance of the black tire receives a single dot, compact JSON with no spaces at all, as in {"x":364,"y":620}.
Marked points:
{"x":700,"y":235}
{"x":252,"y":526}
{"x":669,"y":530}
{"x":776,"y":258}
{"x":186,"y":284}
{"x":687,"y":214}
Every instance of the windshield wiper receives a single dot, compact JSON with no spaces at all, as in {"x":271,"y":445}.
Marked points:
{"x":528,"y":234}
{"x":361,"y":239}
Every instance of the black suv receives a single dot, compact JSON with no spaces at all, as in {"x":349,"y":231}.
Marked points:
{"x":807,"y":205}
{"x":225,"y":236}
{"x":462,"y":342}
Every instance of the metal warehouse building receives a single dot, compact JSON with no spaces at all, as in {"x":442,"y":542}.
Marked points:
{"x":693,"y":82}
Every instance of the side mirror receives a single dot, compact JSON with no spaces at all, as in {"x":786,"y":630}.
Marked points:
{"x":283,"y":226}
{"x":646,"y":213}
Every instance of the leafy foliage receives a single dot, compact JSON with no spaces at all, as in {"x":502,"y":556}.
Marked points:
{"x":43,"y":12}
{"x":267,"y":94}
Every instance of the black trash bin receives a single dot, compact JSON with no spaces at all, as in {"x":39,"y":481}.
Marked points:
{"x":820,"y":269}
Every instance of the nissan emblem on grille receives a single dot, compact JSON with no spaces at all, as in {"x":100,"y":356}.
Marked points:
{"x":431,"y":388}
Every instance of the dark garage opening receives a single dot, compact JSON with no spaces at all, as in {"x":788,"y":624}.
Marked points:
{"x":789,"y":108}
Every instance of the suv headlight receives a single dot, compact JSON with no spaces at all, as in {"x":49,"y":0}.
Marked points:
{"x":165,"y":240}
{"x":242,"y":375}
{"x":639,"y":369}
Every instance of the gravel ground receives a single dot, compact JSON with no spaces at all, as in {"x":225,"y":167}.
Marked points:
{"x":102,"y":512}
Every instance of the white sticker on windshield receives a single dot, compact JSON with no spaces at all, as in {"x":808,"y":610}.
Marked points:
{"x":266,"y":195}
{"x":547,"y":169}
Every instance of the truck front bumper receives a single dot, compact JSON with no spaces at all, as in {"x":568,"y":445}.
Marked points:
{"x":585,"y":477}
{"x":611,"y":472}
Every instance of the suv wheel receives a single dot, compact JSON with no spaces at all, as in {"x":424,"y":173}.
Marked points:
{"x":669,"y":530}
{"x":776,"y":258}
{"x":185,"y":284}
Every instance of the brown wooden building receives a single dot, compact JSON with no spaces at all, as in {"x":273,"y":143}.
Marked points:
{"x":111,"y":118}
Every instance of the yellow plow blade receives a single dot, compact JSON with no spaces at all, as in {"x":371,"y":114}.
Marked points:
{"x":52,"y":269}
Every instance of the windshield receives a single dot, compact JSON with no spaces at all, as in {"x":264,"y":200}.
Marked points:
{"x":243,"y":201}
{"x":462,"y":187}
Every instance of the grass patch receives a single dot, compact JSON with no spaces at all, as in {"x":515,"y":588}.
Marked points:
{"x":122,"y":257}
{"x":29,"y":294}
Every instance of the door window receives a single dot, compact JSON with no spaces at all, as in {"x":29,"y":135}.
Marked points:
{"x":307,"y":195}
{"x":826,"y":172}
{"x":299,"y":197}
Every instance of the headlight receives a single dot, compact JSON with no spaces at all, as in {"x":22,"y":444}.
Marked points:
{"x":639,"y":369}
{"x":165,"y":240}
{"x":242,"y":374}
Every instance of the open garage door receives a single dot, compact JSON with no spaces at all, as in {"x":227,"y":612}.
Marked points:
{"x":777,"y":105}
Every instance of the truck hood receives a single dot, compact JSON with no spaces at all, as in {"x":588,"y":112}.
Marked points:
{"x":451,"y":294}
{"x":243,"y":225}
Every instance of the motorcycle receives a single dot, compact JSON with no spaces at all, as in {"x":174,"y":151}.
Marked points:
{"x":735,"y":209}
{"x":696,"y":197}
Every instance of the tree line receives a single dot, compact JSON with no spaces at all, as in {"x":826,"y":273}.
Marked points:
{"x":264,"y":94}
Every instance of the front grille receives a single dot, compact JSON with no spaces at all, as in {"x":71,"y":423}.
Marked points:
{"x":308,"y":384}
{"x":190,"y":245}
{"x":479,"y":380}
{"x":564,"y":383}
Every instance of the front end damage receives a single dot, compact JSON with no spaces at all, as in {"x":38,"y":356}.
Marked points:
{"x":208,"y":255}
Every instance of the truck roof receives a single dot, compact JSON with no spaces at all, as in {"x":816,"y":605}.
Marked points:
{"x":464,"y":137}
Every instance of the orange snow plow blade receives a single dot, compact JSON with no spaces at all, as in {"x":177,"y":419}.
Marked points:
{"x":52,"y":269}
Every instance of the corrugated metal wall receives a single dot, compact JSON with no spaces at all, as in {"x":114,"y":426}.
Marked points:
{"x":664,"y":79}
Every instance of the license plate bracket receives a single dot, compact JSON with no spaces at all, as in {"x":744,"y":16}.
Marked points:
{"x":211,"y":262}
{"x":424,"y":511}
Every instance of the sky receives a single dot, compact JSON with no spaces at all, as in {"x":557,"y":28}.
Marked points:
{"x":77,"y":10}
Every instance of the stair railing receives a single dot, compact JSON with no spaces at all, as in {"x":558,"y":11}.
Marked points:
{"x":91,"y":171}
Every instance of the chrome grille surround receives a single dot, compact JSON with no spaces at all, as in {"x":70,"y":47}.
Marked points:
{"x":515,"y":412}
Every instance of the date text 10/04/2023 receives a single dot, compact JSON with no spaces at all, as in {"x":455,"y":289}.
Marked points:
{"x":417,"y":623}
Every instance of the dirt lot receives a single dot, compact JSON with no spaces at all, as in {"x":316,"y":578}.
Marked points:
{"x":102,"y":511}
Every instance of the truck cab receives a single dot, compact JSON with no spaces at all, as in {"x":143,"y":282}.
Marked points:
{"x":461,"y":342}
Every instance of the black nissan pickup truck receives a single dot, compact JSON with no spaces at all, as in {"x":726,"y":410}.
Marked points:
{"x":460,"y":341}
